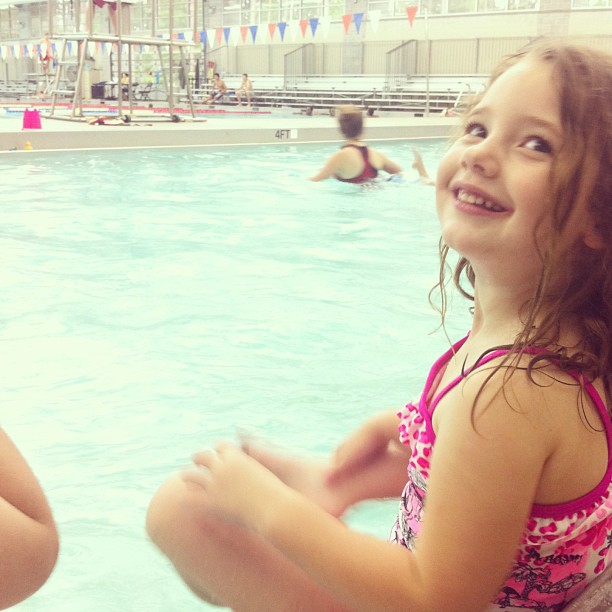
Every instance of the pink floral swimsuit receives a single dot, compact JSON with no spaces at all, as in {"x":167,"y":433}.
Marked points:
{"x":564,"y":546}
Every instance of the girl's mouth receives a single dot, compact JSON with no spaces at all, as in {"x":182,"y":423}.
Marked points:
{"x":470,"y":198}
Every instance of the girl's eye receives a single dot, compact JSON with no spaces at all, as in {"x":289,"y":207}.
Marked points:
{"x":535,"y":143}
{"x":475,"y":129}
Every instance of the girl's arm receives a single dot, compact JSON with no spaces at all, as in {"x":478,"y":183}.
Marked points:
{"x":376,"y":440}
{"x":370,"y":464}
{"x":482,"y":485}
{"x":28,"y":536}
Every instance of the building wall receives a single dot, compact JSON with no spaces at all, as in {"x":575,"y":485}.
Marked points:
{"x":457,"y":44}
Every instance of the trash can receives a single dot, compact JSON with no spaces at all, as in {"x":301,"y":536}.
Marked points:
{"x":97,"y":91}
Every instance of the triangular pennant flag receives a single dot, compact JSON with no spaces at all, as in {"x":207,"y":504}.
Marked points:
{"x":243,"y":32}
{"x":346,"y":20}
{"x":358,"y":18}
{"x":210,"y":37}
{"x":314,"y":23}
{"x":303,"y":26}
{"x":281,"y":29}
{"x":253,"y":30}
{"x":294,"y":28}
{"x":271,"y":30}
{"x":324,"y":23}
{"x":203,"y":37}
{"x":234,"y":37}
{"x":411,"y":12}
{"x":218,"y":36}
{"x":181,"y":35}
{"x":226,"y":34}
{"x":69,"y":47}
{"x":374,"y":17}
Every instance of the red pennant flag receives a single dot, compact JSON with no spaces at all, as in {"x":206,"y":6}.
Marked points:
{"x":218,"y":35}
{"x":411,"y":11}
{"x":271,"y":29}
{"x":303,"y":26}
{"x":346,"y":19}
{"x":243,"y":32}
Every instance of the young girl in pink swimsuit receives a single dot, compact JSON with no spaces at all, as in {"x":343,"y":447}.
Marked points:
{"x":507,"y":451}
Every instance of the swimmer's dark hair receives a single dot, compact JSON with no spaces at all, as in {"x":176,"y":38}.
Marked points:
{"x":350,"y":121}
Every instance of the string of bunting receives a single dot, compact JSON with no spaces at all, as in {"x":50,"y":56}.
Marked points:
{"x":214,"y":37}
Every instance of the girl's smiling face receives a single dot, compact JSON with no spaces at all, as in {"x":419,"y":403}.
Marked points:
{"x":493,"y":184}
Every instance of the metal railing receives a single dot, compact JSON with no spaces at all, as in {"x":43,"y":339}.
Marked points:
{"x":400,"y":64}
{"x":297,"y":64}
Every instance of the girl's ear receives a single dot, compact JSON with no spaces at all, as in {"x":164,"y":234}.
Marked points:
{"x":592,"y":237}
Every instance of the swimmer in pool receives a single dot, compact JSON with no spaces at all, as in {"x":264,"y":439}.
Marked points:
{"x":355,"y":162}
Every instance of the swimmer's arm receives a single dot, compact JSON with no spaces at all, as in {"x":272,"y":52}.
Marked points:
{"x":482,"y":486}
{"x":331,"y":167}
{"x":390,"y":166}
{"x":28,"y":536}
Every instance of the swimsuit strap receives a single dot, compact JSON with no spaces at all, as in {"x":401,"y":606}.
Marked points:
{"x":368,"y":172}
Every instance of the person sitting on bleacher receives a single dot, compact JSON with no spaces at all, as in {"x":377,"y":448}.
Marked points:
{"x":246,"y":89}
{"x":219,"y":90}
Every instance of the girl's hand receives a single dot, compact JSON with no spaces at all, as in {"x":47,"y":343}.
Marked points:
{"x":236,"y":485}
{"x":363,"y":446}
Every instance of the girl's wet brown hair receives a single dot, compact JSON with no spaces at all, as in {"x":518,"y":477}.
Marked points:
{"x":576,"y":280}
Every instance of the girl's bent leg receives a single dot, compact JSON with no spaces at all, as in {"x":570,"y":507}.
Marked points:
{"x":224,"y":563}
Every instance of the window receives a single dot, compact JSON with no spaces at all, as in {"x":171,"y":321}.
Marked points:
{"x":492,"y":5}
{"x":461,"y":6}
{"x":521,"y":5}
{"x":591,"y":3}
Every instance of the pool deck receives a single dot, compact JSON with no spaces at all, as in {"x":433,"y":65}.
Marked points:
{"x":227,"y":125}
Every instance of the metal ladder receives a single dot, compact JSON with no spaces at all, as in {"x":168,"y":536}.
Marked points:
{"x":61,"y":73}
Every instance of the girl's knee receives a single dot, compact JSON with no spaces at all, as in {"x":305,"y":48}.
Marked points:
{"x":167,"y":510}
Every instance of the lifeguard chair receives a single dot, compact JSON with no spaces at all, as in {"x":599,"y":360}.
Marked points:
{"x":77,"y":49}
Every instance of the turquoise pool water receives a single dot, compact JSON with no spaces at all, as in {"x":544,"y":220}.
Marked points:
{"x":153,"y":301}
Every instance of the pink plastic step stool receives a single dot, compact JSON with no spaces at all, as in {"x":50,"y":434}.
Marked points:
{"x":31,"y":119}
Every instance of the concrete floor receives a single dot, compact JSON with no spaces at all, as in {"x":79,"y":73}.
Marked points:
{"x":212,"y":126}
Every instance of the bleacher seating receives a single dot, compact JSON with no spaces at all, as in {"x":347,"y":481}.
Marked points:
{"x":365,"y":91}
{"x":17,"y":89}
{"x":28,"y":88}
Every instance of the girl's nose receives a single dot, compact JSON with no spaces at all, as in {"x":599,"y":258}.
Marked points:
{"x":481,"y":159}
